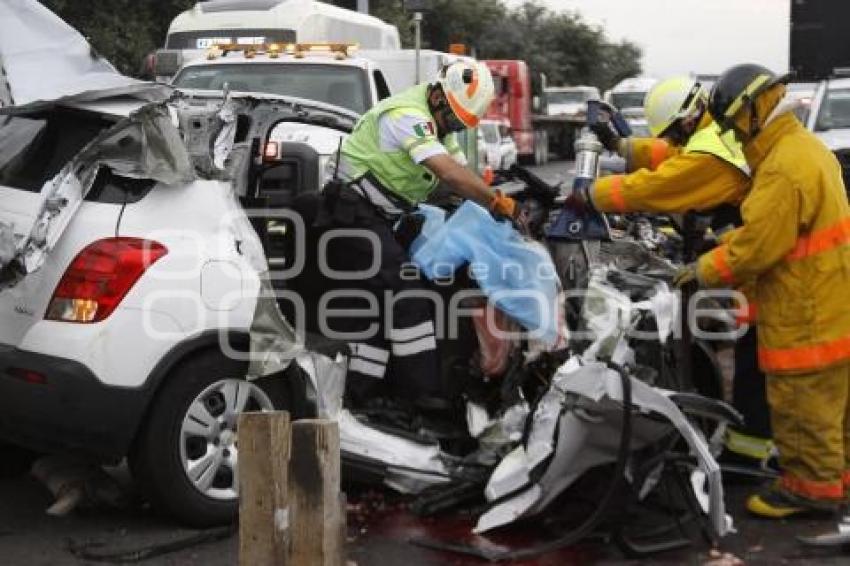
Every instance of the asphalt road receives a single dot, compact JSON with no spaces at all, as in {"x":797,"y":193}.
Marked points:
{"x":378,"y":529}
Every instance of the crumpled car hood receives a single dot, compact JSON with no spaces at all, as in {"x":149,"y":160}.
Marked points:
{"x":47,"y":61}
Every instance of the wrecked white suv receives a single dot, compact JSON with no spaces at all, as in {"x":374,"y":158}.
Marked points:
{"x":130,"y":274}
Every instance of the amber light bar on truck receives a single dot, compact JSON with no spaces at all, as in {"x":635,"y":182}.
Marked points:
{"x":274,"y":50}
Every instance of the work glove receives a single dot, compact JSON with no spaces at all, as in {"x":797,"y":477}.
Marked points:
{"x":607,"y":137}
{"x":686,"y":275}
{"x":503,"y":206}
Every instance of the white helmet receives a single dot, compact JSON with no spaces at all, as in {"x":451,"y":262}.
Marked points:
{"x":671,"y":100}
{"x":469,"y":90}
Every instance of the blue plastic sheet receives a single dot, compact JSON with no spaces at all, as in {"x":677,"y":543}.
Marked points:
{"x":515,"y":273}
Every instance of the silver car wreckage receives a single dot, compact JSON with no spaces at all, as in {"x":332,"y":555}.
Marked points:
{"x":602,"y":405}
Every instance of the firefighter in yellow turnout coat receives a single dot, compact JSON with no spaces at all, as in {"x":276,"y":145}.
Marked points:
{"x":795,"y":244}
{"x":690,"y":166}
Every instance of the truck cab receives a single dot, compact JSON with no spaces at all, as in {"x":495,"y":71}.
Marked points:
{"x":569,"y":100}
{"x":320,"y":72}
{"x":323,"y":73}
{"x":629,"y":95}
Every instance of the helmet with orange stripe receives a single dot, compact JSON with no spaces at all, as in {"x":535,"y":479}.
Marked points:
{"x":468,"y":90}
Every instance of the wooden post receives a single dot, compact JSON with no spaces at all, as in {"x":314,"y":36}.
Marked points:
{"x":318,"y":511}
{"x":264,"y":517}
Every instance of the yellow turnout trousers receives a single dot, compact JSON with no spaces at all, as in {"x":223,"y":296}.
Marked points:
{"x":810,"y":415}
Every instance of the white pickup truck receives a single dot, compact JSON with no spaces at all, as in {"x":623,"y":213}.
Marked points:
{"x":334,"y":74}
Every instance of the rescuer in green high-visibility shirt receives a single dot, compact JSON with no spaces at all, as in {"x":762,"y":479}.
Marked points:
{"x":397,"y":154}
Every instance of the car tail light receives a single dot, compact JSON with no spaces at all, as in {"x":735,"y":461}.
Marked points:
{"x":100,"y":277}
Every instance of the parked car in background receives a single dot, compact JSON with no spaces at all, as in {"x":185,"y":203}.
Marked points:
{"x":496,"y":147}
{"x":829,"y":119}
{"x":569,"y":100}
{"x":802,"y":94}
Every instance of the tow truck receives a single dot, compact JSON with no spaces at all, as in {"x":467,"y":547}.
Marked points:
{"x":330,"y":73}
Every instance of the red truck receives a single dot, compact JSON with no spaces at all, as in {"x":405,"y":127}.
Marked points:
{"x":537,"y":135}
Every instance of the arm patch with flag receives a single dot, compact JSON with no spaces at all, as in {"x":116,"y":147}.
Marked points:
{"x":424,"y":129}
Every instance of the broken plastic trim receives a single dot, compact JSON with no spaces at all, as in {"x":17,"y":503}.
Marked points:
{"x":586,"y":528}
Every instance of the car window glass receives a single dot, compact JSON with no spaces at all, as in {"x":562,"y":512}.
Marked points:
{"x":491,"y":133}
{"x":567,"y":97}
{"x":205,"y":39}
{"x":332,"y":84}
{"x":835,"y":110}
{"x":627,"y":99}
{"x":34,"y":149}
{"x":17,"y":136}
{"x":381,"y":86}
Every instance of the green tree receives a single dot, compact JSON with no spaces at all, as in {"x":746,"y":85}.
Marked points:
{"x":123,"y":31}
{"x":560,"y":45}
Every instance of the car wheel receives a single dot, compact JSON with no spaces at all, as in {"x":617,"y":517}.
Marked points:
{"x":185,"y":459}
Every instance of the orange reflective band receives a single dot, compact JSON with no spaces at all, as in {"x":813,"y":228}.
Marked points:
{"x":473,"y":86}
{"x":468,"y":118}
{"x":811,"y":488}
{"x":822,"y":240}
{"x":657,"y":153}
{"x":721,"y":264}
{"x":617,"y":198}
{"x":805,"y":357}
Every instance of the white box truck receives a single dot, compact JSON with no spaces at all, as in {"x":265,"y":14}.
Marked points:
{"x":256,"y":22}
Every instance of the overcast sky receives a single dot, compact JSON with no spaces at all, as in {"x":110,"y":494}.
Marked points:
{"x":703,"y":36}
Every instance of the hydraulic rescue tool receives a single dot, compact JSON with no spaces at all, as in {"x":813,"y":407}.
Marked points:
{"x":587,"y":223}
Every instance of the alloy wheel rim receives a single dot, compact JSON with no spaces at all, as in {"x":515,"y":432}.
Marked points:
{"x":209,"y":438}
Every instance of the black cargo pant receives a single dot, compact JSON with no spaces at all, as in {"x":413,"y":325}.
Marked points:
{"x":748,"y":387}
{"x":749,"y":395}
{"x":386,"y":315}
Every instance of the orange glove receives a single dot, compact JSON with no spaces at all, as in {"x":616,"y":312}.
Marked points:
{"x":503,"y":206}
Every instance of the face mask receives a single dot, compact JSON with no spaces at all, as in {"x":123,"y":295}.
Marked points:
{"x":453,"y":123}
{"x":450,"y":120}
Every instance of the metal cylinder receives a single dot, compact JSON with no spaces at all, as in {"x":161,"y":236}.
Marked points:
{"x":587,"y":149}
